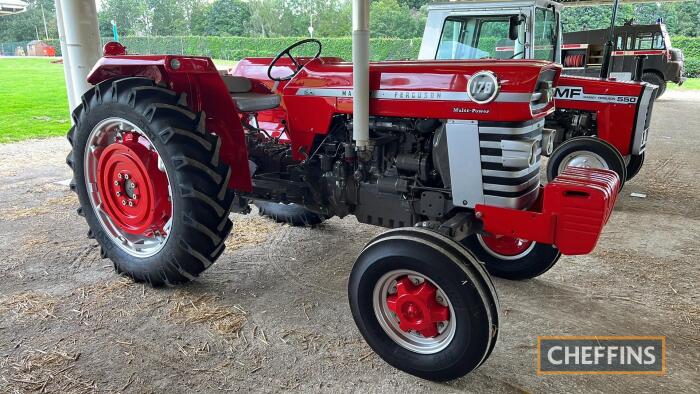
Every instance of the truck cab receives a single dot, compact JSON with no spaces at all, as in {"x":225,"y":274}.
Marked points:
{"x":493,"y":30}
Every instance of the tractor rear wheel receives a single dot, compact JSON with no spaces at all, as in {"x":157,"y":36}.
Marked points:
{"x":149,"y":180}
{"x":587,"y":152}
{"x":292,"y":214}
{"x":512,"y":258}
{"x":424,"y":304}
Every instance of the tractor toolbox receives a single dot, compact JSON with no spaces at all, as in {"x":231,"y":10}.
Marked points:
{"x":570,"y":212}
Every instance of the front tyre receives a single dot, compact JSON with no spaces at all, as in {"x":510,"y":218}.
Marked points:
{"x":512,"y":258}
{"x":635,"y":165}
{"x":586,"y":152}
{"x":424,"y":304}
{"x":149,"y":181}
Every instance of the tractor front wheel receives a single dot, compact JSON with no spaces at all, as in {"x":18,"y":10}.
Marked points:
{"x":424,"y":304}
{"x":512,"y":258}
{"x":586,"y":152}
{"x":149,"y":181}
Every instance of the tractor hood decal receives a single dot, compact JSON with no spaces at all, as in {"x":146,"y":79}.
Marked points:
{"x":576,"y":93}
{"x":425,"y":95}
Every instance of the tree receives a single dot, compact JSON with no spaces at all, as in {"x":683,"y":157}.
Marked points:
{"x":390,"y":19}
{"x":127,"y":13}
{"x":24,"y":26}
{"x":228,"y":18}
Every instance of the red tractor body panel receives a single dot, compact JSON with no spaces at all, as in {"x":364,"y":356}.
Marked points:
{"x":570,"y":214}
{"x":417,"y":89}
{"x":614,"y":103}
{"x":206,"y":92}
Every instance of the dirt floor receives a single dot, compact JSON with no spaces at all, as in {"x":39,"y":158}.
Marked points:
{"x":272,"y":313}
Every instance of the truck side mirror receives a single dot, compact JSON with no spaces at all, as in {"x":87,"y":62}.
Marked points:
{"x":515,"y":22}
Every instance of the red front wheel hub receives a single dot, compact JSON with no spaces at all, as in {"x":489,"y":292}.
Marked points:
{"x":133,"y":189}
{"x":417,"y":308}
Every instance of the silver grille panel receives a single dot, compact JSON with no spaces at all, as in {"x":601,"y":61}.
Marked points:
{"x":510,"y":178}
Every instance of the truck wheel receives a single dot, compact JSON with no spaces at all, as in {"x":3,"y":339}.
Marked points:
{"x":292,"y":214}
{"x":634,"y":166}
{"x":424,"y":304}
{"x":587,"y":152}
{"x":149,"y":181}
{"x":512,"y":258}
{"x":655,"y":79}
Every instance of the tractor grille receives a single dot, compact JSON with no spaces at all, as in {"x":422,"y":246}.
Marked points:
{"x":510,"y":162}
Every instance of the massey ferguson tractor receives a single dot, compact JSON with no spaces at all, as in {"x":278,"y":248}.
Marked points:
{"x":165,"y":147}
{"x":598,"y":122}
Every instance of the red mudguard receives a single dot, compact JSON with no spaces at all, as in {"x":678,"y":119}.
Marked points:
{"x":570,"y":214}
{"x":206,"y":92}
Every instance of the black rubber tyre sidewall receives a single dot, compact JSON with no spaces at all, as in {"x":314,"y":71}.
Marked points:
{"x":635,"y":165}
{"x":600,"y":147}
{"x":470,"y":342}
{"x":292,"y":214}
{"x":654,"y":79}
{"x":538,"y":261}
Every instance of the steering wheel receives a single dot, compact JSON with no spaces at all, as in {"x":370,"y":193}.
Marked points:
{"x":297,"y":64}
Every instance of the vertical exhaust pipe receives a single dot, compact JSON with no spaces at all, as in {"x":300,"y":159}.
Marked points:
{"x":605,"y":67}
{"x":360,"y":72}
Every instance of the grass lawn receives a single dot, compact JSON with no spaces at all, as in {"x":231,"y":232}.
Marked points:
{"x":690,"y":84}
{"x":33,"y":101}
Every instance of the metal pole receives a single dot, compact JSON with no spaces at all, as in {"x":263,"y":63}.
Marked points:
{"x":82,"y":42}
{"x":360,"y":68}
{"x":605,"y":67}
{"x":66,"y":61}
{"x":43,"y":16}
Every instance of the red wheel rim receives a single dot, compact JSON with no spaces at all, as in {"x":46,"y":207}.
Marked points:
{"x":417,"y":308}
{"x":414,"y":311}
{"x":133,"y":189}
{"x":128,"y":187}
{"x":504,"y":246}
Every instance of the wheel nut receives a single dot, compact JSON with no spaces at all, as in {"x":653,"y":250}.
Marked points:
{"x":123,"y":202}
{"x":136,"y":196}
{"x":116,"y":183}
{"x":119,"y":176}
{"x":131,"y":203}
{"x":119,"y":194}
{"x":126,"y":176}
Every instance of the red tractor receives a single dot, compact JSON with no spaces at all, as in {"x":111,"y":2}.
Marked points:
{"x":598,"y":122}
{"x":164,"y":148}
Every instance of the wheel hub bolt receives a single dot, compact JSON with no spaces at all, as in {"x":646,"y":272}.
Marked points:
{"x":123,"y":202}
{"x":136,"y":196}
{"x":119,"y":194}
{"x":126,"y":176}
{"x":116,"y":183}
{"x":131,"y":203}
{"x":119,"y":176}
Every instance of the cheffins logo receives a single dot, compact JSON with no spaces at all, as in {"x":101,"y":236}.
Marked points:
{"x":611,"y":355}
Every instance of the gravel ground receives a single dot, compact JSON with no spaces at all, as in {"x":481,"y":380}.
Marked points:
{"x":272,"y":313}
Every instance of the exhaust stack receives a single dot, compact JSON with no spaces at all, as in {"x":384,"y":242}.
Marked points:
{"x":360,"y":72}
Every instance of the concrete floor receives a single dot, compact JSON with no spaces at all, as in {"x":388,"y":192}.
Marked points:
{"x":272,"y":313}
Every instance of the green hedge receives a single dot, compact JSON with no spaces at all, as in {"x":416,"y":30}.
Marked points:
{"x":691,"y":51}
{"x":236,"y":48}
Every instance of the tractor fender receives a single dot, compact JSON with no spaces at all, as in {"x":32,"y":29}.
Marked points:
{"x":200,"y":82}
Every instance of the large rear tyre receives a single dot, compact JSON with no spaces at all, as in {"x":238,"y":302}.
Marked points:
{"x":586,"y":152}
{"x":292,"y":214}
{"x":655,"y":79}
{"x":635,"y":165}
{"x":149,"y":181}
{"x":512,"y":258}
{"x":424,"y":304}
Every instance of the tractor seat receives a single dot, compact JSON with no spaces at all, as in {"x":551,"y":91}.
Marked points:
{"x":247,"y":101}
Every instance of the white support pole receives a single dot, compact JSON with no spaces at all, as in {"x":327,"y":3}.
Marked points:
{"x":66,"y":61}
{"x":82,"y":42}
{"x":360,"y":69}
